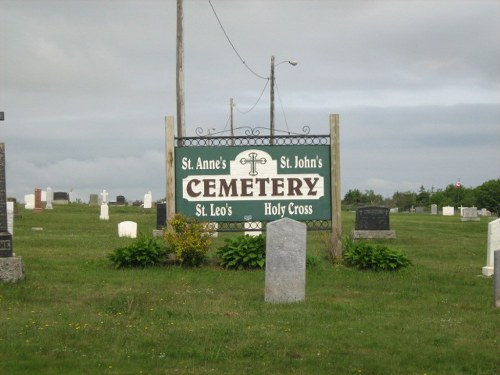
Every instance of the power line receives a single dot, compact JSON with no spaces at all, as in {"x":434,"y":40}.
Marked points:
{"x":281,"y":105}
{"x":232,"y":45}
{"x":258,"y":100}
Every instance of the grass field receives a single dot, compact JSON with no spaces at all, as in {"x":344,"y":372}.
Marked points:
{"x":75,"y":314}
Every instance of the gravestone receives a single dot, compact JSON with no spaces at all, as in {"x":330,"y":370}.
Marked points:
{"x":148,"y":200}
{"x":104,"y":206}
{"x":434,"y":209}
{"x":285,"y":279}
{"x":10,"y":217}
{"x":60,"y":197}
{"x":372,"y":222}
{"x":469,"y":214}
{"x":485,"y":212}
{"x":448,"y":211}
{"x":493,"y":244}
{"x":49,"y":197}
{"x":71,"y":196}
{"x":11,"y":266}
{"x":29,"y":201}
{"x":161,"y":215}
{"x":120,"y":200}
{"x":104,"y":197}
{"x":38,"y":200}
{"x":5,"y":236}
{"x":127,"y":229}
{"x":93,"y":200}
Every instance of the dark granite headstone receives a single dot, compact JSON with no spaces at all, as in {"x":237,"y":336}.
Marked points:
{"x":120,"y":200}
{"x":372,"y":218}
{"x":5,"y":236}
{"x":60,"y":197}
{"x":161,"y":215}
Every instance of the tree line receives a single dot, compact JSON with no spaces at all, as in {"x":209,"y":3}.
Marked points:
{"x":486,"y":195}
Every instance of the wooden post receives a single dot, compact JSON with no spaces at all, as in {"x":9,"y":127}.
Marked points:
{"x":170,"y":166}
{"x":336,"y":238}
{"x":180,"y":71}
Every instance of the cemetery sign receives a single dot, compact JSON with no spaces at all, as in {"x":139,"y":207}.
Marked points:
{"x":257,"y":183}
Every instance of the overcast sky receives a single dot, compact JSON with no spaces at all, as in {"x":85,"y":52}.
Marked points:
{"x":85,"y":86}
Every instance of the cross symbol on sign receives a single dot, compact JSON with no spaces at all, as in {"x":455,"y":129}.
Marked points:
{"x":253,"y":163}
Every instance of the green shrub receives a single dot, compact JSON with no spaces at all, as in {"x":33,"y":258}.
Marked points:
{"x":243,"y":252}
{"x":373,"y":256}
{"x":189,"y":239}
{"x":143,"y":252}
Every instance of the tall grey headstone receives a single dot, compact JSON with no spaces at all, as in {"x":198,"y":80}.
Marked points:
{"x":48,"y":199}
{"x":93,"y":200}
{"x":493,"y":244}
{"x":285,"y":261}
{"x":434,"y":209}
{"x":5,"y":236}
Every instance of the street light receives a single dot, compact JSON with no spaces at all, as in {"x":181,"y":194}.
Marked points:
{"x":291,"y":62}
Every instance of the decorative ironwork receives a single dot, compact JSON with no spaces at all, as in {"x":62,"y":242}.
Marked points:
{"x":260,"y":226}
{"x":248,"y":131}
{"x":251,"y":138}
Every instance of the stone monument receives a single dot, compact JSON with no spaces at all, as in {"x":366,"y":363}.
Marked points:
{"x":38,"y":200}
{"x":493,"y":244}
{"x":285,"y":261}
{"x":372,"y":222}
{"x":469,"y":214}
{"x":49,"y":198}
{"x":148,"y":200}
{"x":104,"y":206}
{"x":11,"y":267}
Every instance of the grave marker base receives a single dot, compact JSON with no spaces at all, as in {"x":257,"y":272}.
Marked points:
{"x":373,"y":234}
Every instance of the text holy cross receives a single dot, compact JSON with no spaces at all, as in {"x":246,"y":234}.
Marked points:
{"x":253,"y":163}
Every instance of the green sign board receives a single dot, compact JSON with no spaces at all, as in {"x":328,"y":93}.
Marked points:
{"x":254,"y":183}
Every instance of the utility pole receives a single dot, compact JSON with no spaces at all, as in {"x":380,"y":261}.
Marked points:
{"x":180,"y":71}
{"x":271,"y":125}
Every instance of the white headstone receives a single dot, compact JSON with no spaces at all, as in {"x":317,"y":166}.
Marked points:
{"x":285,"y":261}
{"x":104,"y":197}
{"x":127,"y":229}
{"x":104,"y":212}
{"x":493,"y":244}
{"x":448,"y":211}
{"x":44,"y":196}
{"x":469,"y":214}
{"x":10,"y":217}
{"x":49,"y":197}
{"x":148,"y":200}
{"x":71,"y":196}
{"x":29,"y":201}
